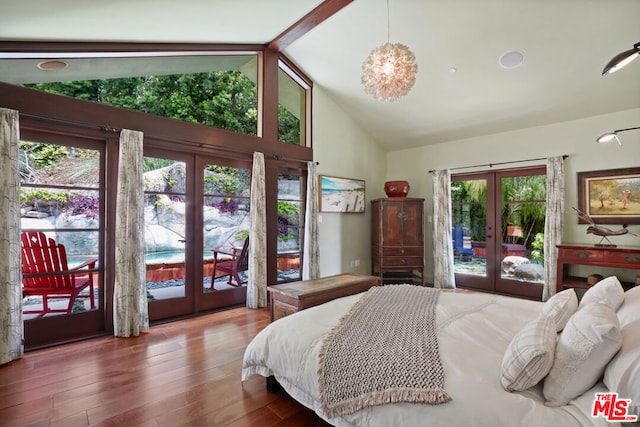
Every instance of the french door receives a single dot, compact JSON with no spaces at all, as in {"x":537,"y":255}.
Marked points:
{"x":194,"y":205}
{"x":62,"y":202}
{"x":497,"y":230}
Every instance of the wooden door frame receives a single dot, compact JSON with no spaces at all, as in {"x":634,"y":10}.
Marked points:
{"x":48,"y":330}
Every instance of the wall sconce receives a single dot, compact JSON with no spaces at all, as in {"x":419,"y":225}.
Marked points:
{"x":610,"y":136}
{"x":621,"y":60}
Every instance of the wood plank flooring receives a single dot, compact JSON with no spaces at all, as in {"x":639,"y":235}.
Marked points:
{"x":185,"y":373}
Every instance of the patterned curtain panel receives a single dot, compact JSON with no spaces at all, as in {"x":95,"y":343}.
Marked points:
{"x":311,"y":254}
{"x":444,"y":276}
{"x":12,"y":331}
{"x":130,"y":307}
{"x":553,"y":223}
{"x":257,"y":283}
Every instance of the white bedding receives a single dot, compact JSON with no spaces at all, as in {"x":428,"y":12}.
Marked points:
{"x":474,"y":331}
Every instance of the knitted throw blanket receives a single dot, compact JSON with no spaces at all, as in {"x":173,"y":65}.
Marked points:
{"x":384,"y":350}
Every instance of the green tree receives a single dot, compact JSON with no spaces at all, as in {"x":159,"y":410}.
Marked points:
{"x":288,"y":127}
{"x":88,"y":90}
{"x":524,"y":204}
{"x":221,"y":99}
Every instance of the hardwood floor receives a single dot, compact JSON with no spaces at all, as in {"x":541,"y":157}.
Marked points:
{"x":179,"y":374}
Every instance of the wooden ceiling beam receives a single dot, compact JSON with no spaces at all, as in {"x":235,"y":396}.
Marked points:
{"x":323,"y":11}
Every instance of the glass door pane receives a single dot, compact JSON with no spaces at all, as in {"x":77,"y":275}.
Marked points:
{"x":523,"y":210}
{"x":167,"y":221}
{"x":471,"y":247}
{"x":226,"y":223}
{"x":60,"y":205}
{"x":290,"y":226}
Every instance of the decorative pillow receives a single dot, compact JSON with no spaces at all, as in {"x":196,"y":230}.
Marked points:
{"x":629,"y":311}
{"x":588,"y":342}
{"x":529,"y":355}
{"x":608,"y":291}
{"x":560,"y":307}
{"x":623,"y":372}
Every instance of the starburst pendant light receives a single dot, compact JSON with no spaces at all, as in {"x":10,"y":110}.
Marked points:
{"x":389,"y":71}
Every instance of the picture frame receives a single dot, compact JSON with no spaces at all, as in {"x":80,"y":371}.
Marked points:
{"x":610,"y":196}
{"x":345,"y":195}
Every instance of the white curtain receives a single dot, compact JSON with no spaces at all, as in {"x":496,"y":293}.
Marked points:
{"x":553,"y":223}
{"x":130,"y":306}
{"x":311,"y":259}
{"x":12,"y":331}
{"x":257,"y":283}
{"x":443,"y":273}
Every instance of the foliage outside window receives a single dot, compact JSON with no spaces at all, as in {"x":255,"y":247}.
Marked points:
{"x":523,"y":206}
{"x":220,"y":99}
{"x":45,"y":171}
{"x":469,"y":207}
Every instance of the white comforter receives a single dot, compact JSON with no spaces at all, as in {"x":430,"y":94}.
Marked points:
{"x":474,"y":331}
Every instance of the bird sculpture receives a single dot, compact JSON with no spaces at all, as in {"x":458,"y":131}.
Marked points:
{"x":599,"y":230}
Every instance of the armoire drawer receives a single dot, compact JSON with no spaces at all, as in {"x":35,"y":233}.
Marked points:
{"x":405,"y":251}
{"x":408,"y":262}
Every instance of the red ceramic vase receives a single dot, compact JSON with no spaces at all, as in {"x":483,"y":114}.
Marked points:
{"x":396,"y":188}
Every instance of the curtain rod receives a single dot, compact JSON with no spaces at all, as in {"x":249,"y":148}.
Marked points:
{"x":281,"y":157}
{"x":564,"y":156}
{"x":108,"y":128}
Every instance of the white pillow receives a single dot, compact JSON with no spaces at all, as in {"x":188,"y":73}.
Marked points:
{"x":629,"y":311}
{"x":529,"y":355}
{"x":588,"y":342}
{"x":607,"y":291}
{"x":623,"y":372}
{"x":561,"y":307}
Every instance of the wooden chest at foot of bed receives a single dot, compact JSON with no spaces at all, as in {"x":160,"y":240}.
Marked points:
{"x":289,"y":298}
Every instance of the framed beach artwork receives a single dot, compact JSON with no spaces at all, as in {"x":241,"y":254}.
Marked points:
{"x":610,"y":196}
{"x":341,"y":194}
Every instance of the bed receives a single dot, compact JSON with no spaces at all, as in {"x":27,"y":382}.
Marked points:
{"x":476,"y":332}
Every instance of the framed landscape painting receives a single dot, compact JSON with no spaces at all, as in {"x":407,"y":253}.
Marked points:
{"x":610,"y":196}
{"x":341,"y":194}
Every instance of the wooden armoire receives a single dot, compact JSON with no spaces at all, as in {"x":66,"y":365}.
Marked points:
{"x":397,"y":239}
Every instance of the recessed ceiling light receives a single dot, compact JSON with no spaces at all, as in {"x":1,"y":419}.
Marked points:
{"x":511,"y":59}
{"x":52,"y":65}
{"x":453,"y":70}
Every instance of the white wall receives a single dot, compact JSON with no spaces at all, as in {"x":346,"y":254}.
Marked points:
{"x":343,"y":149}
{"x":574,"y":138}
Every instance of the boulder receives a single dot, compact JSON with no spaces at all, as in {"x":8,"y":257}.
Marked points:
{"x":529,"y":272}
{"x":509,"y":263}
{"x":77,"y":242}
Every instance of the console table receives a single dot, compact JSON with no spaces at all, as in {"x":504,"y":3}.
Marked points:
{"x":596,"y":256}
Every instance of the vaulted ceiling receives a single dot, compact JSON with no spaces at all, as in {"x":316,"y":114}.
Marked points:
{"x":565,"y":44}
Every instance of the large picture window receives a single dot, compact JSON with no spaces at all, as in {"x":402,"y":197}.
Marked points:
{"x":214,"y":90}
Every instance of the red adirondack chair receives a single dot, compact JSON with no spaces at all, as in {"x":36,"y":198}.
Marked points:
{"x":45,"y":272}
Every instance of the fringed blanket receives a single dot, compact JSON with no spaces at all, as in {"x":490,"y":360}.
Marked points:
{"x":384,"y":350}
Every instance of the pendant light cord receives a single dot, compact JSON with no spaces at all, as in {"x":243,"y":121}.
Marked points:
{"x":388,"y":24}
